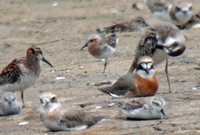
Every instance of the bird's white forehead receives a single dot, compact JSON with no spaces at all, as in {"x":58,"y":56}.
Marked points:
{"x":184,"y":5}
{"x":145,"y":59}
{"x":47,"y":95}
{"x":146,"y":65}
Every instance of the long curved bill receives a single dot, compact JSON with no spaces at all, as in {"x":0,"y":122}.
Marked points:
{"x":46,"y":61}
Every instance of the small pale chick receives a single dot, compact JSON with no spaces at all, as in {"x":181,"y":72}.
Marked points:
{"x":176,"y":13}
{"x":55,"y":118}
{"x":22,"y":72}
{"x":102,"y":47}
{"x":148,"y":108}
{"x":9,"y":104}
{"x":141,"y":83}
{"x":159,"y":42}
{"x":135,"y":24}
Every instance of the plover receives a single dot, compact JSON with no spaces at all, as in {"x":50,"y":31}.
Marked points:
{"x":159,"y":42}
{"x":178,"y":14}
{"x":55,"y":118}
{"x":22,"y":72}
{"x":101,"y":47}
{"x":147,"y":108}
{"x":142,"y":82}
{"x":135,"y":24}
{"x":9,"y":104}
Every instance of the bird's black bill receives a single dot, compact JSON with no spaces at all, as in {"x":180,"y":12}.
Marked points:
{"x":43,"y":59}
{"x":84,"y":47}
{"x":163,"y":113}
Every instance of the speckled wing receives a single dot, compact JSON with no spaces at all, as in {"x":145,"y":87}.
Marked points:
{"x":147,"y":44}
{"x":11,"y":73}
{"x":133,"y":104}
{"x":111,"y":40}
{"x":77,"y":118}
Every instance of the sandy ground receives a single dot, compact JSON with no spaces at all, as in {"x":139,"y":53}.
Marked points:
{"x":61,"y":31}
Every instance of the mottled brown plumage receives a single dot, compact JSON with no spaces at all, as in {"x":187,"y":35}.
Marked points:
{"x":22,"y":72}
{"x":135,"y":24}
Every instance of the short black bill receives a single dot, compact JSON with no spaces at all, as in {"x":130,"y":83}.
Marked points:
{"x":84,"y":47}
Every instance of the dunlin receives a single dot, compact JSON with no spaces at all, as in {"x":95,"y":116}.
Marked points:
{"x":22,"y":72}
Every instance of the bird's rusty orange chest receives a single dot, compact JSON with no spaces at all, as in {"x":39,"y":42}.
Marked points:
{"x":94,"y":48}
{"x":146,"y":86}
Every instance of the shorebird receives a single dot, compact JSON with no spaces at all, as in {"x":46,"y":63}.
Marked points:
{"x":142,"y":82}
{"x":135,"y":24}
{"x":178,"y":14}
{"x":9,"y":104}
{"x":159,"y":42}
{"x":55,"y":118}
{"x":194,"y":22}
{"x":101,"y":47}
{"x":22,"y":72}
{"x":144,"y":108}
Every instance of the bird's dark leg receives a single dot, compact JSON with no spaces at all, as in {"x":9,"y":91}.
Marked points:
{"x":166,"y":71}
{"x":106,"y":61}
{"x":22,"y":97}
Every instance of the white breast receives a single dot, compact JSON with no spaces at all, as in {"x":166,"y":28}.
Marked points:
{"x":26,"y":81}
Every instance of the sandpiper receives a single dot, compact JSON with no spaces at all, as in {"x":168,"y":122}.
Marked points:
{"x":147,"y":108}
{"x":194,"y":22}
{"x":101,"y":47}
{"x":22,"y":72}
{"x":176,"y":13}
{"x":159,"y":42}
{"x":55,"y":118}
{"x":142,"y":82}
{"x":9,"y":104}
{"x":135,"y":24}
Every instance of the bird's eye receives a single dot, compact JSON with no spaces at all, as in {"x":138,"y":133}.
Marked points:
{"x":53,"y":99}
{"x":41,"y":100}
{"x":178,"y":9}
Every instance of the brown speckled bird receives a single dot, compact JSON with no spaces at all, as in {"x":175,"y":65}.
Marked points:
{"x":22,"y":72}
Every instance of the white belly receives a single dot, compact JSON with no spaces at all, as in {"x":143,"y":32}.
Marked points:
{"x":25,"y":82}
{"x":106,"y":52}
